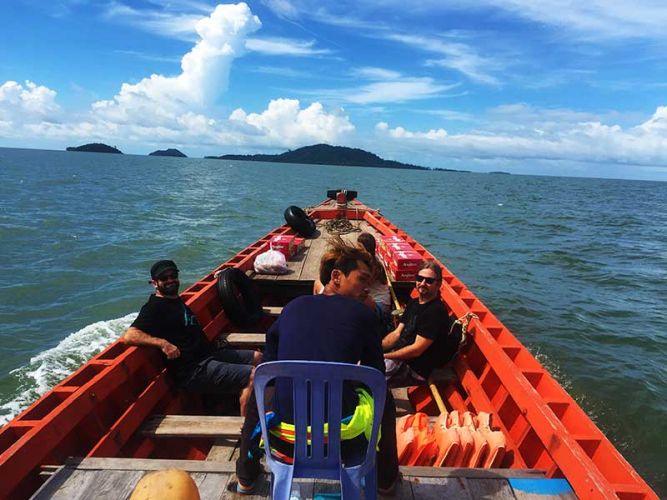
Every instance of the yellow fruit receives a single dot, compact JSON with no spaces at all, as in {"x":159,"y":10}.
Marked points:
{"x":169,"y":484}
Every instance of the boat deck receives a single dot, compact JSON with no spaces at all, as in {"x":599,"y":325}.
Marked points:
{"x":115,"y":478}
{"x":305,"y":266}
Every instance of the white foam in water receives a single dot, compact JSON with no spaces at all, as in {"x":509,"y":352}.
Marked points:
{"x":50,"y":367}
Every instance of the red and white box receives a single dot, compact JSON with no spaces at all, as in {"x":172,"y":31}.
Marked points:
{"x":402,"y":275}
{"x":386,"y":244}
{"x":409,"y":260}
{"x":383,"y":240}
{"x":288,"y":245}
{"x":403,"y":246}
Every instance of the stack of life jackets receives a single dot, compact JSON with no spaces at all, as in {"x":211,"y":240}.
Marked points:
{"x":454,"y":440}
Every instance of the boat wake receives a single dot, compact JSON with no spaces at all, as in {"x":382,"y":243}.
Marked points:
{"x":48,"y":368}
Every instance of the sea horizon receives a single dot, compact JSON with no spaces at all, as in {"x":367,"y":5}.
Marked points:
{"x":434,"y":169}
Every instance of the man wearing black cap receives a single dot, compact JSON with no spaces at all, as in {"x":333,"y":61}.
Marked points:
{"x":167,"y":323}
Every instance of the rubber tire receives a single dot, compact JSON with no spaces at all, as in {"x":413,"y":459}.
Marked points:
{"x":298,"y":220}
{"x":239,"y":297}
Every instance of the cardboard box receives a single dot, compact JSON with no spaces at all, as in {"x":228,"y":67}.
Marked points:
{"x":403,"y":246}
{"x":384,"y":240}
{"x":288,"y":245}
{"x":402,"y":275}
{"x":388,"y":244}
{"x":406,"y":261}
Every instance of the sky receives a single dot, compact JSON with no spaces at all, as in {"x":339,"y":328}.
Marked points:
{"x":548,"y":87}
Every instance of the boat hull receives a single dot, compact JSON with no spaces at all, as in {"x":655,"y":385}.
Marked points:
{"x":98,"y":410}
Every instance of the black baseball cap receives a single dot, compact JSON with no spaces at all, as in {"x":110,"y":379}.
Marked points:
{"x":161,"y":266}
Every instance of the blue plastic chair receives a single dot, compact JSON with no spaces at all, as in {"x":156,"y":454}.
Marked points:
{"x":309,"y":381}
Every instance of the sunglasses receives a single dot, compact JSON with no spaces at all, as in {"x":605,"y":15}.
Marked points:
{"x":166,"y":277}
{"x":427,"y":279}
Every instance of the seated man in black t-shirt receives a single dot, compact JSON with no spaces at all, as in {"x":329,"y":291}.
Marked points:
{"x":167,"y":323}
{"x":422,"y":340}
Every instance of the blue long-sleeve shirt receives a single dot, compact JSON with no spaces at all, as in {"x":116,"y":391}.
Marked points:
{"x":324,"y":328}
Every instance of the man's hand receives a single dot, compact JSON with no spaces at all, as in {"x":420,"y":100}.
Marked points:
{"x":170,"y":350}
{"x":392,"y":337}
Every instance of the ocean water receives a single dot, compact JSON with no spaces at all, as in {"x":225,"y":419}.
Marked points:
{"x":576,"y":268}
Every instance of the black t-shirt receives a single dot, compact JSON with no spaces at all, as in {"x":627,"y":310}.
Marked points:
{"x":324,"y":328}
{"x":430,"y":321}
{"x":172,"y":320}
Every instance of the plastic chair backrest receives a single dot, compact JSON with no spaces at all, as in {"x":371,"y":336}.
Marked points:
{"x":321,"y":384}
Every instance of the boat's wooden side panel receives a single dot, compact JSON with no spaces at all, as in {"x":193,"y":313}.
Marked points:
{"x":75,"y":415}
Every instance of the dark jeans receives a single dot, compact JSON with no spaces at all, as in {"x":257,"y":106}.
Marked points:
{"x":226,"y":371}
{"x":248,"y":468}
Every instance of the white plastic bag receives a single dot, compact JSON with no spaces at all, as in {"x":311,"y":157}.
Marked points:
{"x":271,"y":262}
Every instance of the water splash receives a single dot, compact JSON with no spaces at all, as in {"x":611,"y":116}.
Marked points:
{"x":48,"y":368}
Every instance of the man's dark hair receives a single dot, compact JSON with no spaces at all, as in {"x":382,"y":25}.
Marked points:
{"x":429,"y":264}
{"x":162,"y":266}
{"x":368,"y":242}
{"x":342,"y":256}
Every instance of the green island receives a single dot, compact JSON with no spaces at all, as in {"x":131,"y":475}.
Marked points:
{"x":168,"y":152}
{"x":95,"y":147}
{"x":324,"y":154}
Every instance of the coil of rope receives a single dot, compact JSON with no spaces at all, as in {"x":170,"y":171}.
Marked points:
{"x":340,"y":226}
{"x":464,"y":321}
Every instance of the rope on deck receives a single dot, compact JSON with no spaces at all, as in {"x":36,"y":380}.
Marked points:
{"x":340,"y":226}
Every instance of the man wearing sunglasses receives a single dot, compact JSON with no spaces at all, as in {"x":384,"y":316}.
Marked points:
{"x":195,"y":363}
{"x":422,"y":340}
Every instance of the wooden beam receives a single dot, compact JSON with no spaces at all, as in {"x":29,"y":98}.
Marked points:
{"x":223,"y":450}
{"x":471,"y":473}
{"x":149,"y":464}
{"x":192,"y":426}
{"x":272,"y":310}
{"x":246,"y":340}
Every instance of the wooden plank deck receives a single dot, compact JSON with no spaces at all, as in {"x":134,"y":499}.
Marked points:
{"x":305,"y":266}
{"x":115,"y":478}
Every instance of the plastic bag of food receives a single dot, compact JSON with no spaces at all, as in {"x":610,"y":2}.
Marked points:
{"x":271,"y":262}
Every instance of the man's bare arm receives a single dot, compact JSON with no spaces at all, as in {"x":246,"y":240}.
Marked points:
{"x":134,"y":336}
{"x":392,"y":337}
{"x":411,"y":351}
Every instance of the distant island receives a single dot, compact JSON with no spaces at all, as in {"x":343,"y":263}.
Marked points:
{"x":500,"y":172}
{"x":95,"y":147}
{"x":324,"y":154}
{"x":168,"y":152}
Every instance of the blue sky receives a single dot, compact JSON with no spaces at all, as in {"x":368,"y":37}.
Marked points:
{"x":549,"y":87}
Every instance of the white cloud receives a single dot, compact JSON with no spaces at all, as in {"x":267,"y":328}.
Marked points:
{"x":448,"y":114}
{"x":584,"y":141}
{"x":285,"y":123}
{"x":373,"y":73}
{"x":456,"y":56}
{"x":285,"y":46}
{"x":27,"y":103}
{"x":404,"y":89}
{"x":658,"y":122}
{"x":178,"y":109}
{"x":283,"y":8}
{"x":611,"y":19}
{"x":180,"y":25}
{"x":385,"y":86}
{"x":204,"y":75}
{"x":401,"y":133}
{"x":594,"y":19}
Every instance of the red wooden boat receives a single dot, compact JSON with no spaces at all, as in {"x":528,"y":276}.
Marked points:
{"x":107,"y":408}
